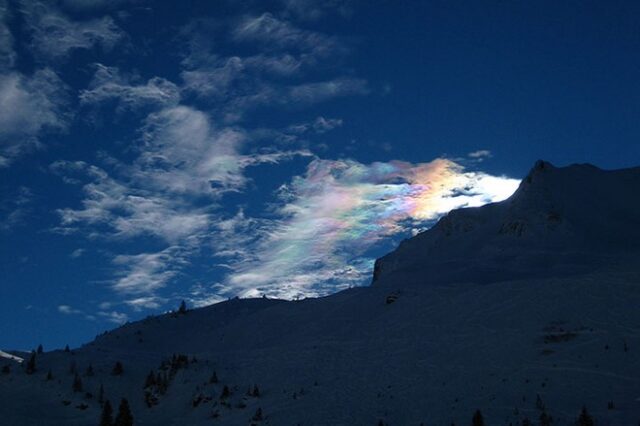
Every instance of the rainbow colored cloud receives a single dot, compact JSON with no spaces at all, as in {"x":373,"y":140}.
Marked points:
{"x":339,"y":209}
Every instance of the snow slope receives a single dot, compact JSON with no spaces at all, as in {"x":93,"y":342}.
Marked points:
{"x":493,"y":307}
{"x":6,"y":355}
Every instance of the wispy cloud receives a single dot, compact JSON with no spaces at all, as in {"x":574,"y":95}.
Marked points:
{"x":109,"y":84}
{"x":77,"y":253}
{"x":125,"y":210}
{"x":7,"y":53}
{"x":480,"y":154}
{"x":146,"y":272}
{"x":168,"y":191}
{"x":311,"y":10}
{"x":272,"y":32}
{"x":14,"y":207}
{"x":319,"y":125}
{"x":338,"y":210}
{"x":111,"y":316}
{"x":149,"y":302}
{"x":314,"y":237}
{"x":91,"y":4}
{"x":30,"y":106}
{"x":236,"y":85}
{"x":114,"y":316}
{"x":311,"y":93}
{"x":68,"y":310}
{"x":55,"y":35}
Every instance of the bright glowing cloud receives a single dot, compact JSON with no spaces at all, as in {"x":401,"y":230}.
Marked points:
{"x":338,"y":210}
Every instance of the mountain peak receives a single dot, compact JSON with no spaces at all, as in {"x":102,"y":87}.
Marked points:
{"x":560,"y":220}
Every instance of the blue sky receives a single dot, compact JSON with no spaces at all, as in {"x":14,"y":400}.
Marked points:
{"x":150,"y":153}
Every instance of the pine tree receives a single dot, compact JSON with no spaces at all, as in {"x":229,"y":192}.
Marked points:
{"x":545,"y":419}
{"x":256,"y":391}
{"x":77,"y":383}
{"x":183,"y":308}
{"x":150,"y":380}
{"x":89,"y":371}
{"x":124,"y":417}
{"x":106,"y":418}
{"x":477,"y":419}
{"x":31,"y":364}
{"x":40,"y":349}
{"x":225,"y":392}
{"x":101,"y":394}
{"x":49,"y":375}
{"x":160,"y":383}
{"x":585,"y":418}
{"x":6,"y":369}
{"x":258,"y":415}
{"x":118,"y":369}
{"x":66,"y":348}
{"x":214,"y":378}
{"x":539,"y":404}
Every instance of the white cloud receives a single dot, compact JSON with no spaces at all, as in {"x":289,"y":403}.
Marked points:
{"x":14,"y":208}
{"x":480,"y":154}
{"x":68,"y":310}
{"x":30,"y":107}
{"x":55,"y":35}
{"x":111,"y":316}
{"x":311,"y":93}
{"x":185,"y":153}
{"x":311,"y":10}
{"x":294,"y":96}
{"x":182,"y":161}
{"x":92,"y":4}
{"x":278,"y":50}
{"x":214,"y":80}
{"x":128,"y":211}
{"x":7,"y":54}
{"x":77,"y":253}
{"x":228,"y":78}
{"x":146,"y":272}
{"x":140,"y":303}
{"x":319,"y":125}
{"x":110,"y":85}
{"x":272,"y":32}
{"x":114,"y":317}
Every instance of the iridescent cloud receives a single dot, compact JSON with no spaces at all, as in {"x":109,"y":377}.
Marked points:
{"x":331,"y":216}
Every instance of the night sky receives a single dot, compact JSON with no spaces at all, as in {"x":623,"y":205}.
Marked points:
{"x":151,"y":153}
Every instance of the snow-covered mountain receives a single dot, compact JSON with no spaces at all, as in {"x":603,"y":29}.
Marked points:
{"x":518,"y":308}
{"x":560,"y":221}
